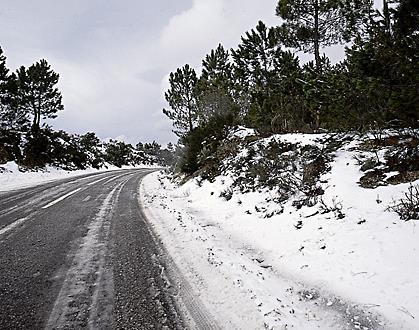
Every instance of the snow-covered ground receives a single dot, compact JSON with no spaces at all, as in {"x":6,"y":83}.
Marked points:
{"x":300,"y":269}
{"x":12,"y":178}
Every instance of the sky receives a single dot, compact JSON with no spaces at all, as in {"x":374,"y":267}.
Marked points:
{"x":114,"y":56}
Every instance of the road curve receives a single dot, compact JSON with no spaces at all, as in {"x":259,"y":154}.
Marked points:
{"x":77,"y":253}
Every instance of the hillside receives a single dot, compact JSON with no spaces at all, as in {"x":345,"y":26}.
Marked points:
{"x":298,"y":230}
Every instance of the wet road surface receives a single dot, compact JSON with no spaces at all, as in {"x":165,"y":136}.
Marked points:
{"x":77,"y":253}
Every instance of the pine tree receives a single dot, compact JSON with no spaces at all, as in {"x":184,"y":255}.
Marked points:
{"x":215,"y":86}
{"x":118,"y":153}
{"x":216,"y":70}
{"x":266,"y":73}
{"x":38,"y":94}
{"x":310,"y":25}
{"x":4,"y":77}
{"x":12,"y":117}
{"x":384,"y":64}
{"x":181,"y":97}
{"x":4,"y":71}
{"x":256,"y":57}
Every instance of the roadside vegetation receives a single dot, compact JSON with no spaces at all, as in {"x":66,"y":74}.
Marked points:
{"x":262,"y":85}
{"x":29,"y":97}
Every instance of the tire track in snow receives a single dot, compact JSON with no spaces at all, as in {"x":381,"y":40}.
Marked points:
{"x":85,"y":298}
{"x":12,"y":225}
{"x":192,"y":307}
{"x":39,"y":195}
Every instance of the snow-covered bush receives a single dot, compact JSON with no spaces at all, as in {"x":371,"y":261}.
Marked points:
{"x":285,"y":168}
{"x":392,"y":159}
{"x":408,"y":207}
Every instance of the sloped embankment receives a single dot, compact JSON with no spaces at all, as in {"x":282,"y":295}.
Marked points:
{"x":284,"y":231}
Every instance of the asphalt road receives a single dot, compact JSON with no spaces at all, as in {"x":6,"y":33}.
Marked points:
{"x":77,"y":253}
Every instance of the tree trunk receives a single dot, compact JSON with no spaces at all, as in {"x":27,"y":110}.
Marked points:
{"x":190,"y":116}
{"x":36,"y":122}
{"x":317,"y":55}
{"x":387,"y":20}
{"x":316,"y":36}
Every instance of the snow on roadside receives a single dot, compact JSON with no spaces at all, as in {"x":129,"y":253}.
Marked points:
{"x":300,"y":268}
{"x":11,"y":178}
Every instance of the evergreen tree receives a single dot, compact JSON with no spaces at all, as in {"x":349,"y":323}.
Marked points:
{"x":256,"y":57}
{"x":13,"y":117}
{"x":152,"y":148}
{"x":4,"y":71}
{"x":4,"y":77}
{"x":216,"y":70}
{"x":384,"y":64}
{"x":255,"y":73}
{"x":37,"y":92}
{"x":4,"y":93}
{"x":215,"y":86}
{"x":118,"y":153}
{"x":267,"y":74}
{"x":181,"y":97}
{"x":139,"y":146}
{"x":310,"y":25}
{"x":91,"y":145}
{"x":13,"y":121}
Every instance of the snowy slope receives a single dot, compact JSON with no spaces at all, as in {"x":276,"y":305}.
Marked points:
{"x":302,"y":268}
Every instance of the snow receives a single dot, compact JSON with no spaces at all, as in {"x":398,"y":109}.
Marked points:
{"x":242,"y":132}
{"x":302,"y":139}
{"x":87,"y":264}
{"x":12,"y":225}
{"x":299,"y":268}
{"x":12,"y":178}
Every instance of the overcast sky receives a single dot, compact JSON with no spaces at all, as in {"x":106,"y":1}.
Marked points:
{"x":114,"y":56}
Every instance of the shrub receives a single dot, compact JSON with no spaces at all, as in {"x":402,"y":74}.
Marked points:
{"x":227,"y":194}
{"x":408,"y":207}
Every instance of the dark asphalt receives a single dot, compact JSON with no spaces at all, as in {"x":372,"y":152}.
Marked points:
{"x":77,"y":253}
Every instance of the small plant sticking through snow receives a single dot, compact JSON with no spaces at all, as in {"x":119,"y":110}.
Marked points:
{"x":227,"y":194}
{"x":335,"y":207}
{"x":408,"y":207}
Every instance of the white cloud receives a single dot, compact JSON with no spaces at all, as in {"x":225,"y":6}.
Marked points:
{"x":114,"y":58}
{"x":190,"y":35}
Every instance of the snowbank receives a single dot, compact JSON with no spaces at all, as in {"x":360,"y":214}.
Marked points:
{"x":11,"y":178}
{"x":303,"y":268}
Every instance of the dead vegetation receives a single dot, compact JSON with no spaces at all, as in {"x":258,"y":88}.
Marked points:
{"x":399,"y":162}
{"x":408,"y":207}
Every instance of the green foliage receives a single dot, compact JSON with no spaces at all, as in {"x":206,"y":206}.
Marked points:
{"x":268,"y":76}
{"x":118,"y":153}
{"x":152,"y":153}
{"x":181,"y":97}
{"x":384,"y":66}
{"x":13,"y":117}
{"x":262,"y":84}
{"x":91,"y":146}
{"x":310,"y":25}
{"x":30,"y":95}
{"x":216,"y":71}
{"x":35,"y":150}
{"x":37,"y":92}
{"x":202,"y":143}
{"x":4,"y":71}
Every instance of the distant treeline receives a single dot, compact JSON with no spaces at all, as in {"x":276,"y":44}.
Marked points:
{"x":29,"y":96}
{"x":262,"y":84}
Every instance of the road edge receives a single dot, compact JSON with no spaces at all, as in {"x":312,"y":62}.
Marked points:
{"x":192,"y":310}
